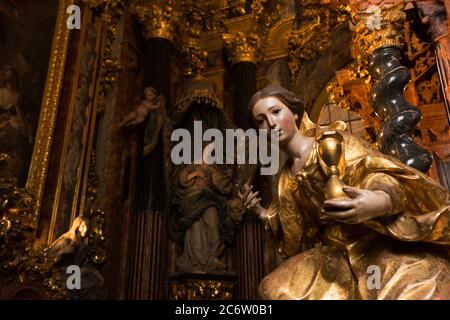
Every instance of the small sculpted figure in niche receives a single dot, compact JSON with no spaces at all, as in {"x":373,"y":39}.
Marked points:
{"x":71,"y":248}
{"x":142,"y":108}
{"x":73,"y":239}
{"x":204,"y":217}
{"x":14,"y":134}
{"x":151,"y":109}
{"x":390,"y":217}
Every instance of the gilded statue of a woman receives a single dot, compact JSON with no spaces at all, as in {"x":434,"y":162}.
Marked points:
{"x":393,"y":219}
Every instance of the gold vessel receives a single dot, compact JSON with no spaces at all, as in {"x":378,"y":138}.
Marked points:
{"x":330,"y":150}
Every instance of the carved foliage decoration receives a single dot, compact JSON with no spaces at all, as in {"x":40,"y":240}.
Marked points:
{"x":110,"y":13}
{"x":312,"y":37}
{"x":201,"y":16}
{"x":376,"y":27}
{"x":159,"y":21}
{"x":193,"y":289}
{"x":243,"y":47}
{"x":425,"y":77}
{"x":193,"y":57}
{"x":19,"y":261}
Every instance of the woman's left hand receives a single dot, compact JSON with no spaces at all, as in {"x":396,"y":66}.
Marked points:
{"x":361,"y":205}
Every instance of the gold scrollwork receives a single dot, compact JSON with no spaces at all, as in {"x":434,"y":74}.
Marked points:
{"x":429,"y":90}
{"x":204,"y":289}
{"x":96,"y":217}
{"x":203,"y":96}
{"x":377,"y":27}
{"x":96,"y":241}
{"x":313,"y":36}
{"x":201,"y":16}
{"x":267,"y":12}
{"x":337,"y":96}
{"x":193,"y":57}
{"x":19,"y":260}
{"x":158,"y":21}
{"x":111,"y":13}
{"x":243,"y":47}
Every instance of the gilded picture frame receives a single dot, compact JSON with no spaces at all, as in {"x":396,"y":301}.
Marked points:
{"x":40,"y":158}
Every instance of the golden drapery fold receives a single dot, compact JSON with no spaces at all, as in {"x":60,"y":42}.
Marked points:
{"x":408,"y":246}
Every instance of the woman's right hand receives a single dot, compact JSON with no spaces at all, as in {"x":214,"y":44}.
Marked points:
{"x":251,"y":202}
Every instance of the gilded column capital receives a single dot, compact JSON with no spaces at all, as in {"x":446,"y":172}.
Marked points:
{"x":243,"y":47}
{"x":158,"y":21}
{"x":193,"y":57}
{"x":376,"y":24}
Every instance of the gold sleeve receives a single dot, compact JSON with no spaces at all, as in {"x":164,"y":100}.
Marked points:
{"x":388,"y":184}
{"x":285,"y":220}
{"x":421,"y":209}
{"x":273,"y":221}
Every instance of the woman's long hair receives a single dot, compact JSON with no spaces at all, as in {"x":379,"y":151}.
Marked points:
{"x":290,"y":99}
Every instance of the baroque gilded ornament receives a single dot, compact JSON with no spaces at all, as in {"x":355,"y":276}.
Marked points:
{"x":19,"y":261}
{"x":267,"y":12}
{"x":377,"y":27}
{"x":193,"y":289}
{"x":110,"y":14}
{"x":24,"y":262}
{"x":193,"y":57}
{"x":336,"y":95}
{"x":243,"y":47}
{"x":201,"y":16}
{"x":313,"y":36}
{"x":158,"y":21}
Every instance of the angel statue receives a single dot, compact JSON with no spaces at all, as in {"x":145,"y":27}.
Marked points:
{"x":380,"y":230}
{"x":152,"y":110}
{"x":142,"y":108}
{"x":71,"y":248}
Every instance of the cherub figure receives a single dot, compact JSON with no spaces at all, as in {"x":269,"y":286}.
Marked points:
{"x":152,"y":101}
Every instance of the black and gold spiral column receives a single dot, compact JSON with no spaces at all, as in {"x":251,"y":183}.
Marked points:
{"x":378,"y":36}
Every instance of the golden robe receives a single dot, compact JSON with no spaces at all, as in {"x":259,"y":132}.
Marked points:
{"x":406,"y":249}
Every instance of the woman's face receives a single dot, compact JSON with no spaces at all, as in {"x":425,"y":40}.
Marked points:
{"x":270,"y":113}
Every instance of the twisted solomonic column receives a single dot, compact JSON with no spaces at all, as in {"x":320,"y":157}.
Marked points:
{"x":378,"y":36}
